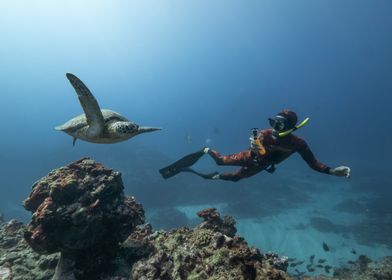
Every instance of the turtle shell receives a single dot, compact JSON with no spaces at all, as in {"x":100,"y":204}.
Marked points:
{"x":81,"y":120}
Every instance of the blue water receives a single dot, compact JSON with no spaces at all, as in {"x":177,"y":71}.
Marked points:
{"x":209,"y":71}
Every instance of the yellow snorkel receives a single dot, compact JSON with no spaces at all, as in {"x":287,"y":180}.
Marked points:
{"x":287,"y":132}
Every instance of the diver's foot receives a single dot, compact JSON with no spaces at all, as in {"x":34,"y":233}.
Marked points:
{"x":212,"y":176}
{"x":206,"y":150}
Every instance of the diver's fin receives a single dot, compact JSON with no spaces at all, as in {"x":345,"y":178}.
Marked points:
{"x":271,"y":169}
{"x":187,"y":161}
{"x":74,"y":141}
{"x":205,"y":176}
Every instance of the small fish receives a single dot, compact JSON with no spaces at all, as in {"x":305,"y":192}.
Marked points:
{"x":299,"y":273}
{"x":216,"y":130}
{"x":322,"y":260}
{"x":350,"y":262}
{"x":188,"y":139}
{"x":311,"y":269}
{"x":325,"y":247}
{"x":353,"y":251}
{"x":293,"y":264}
{"x":291,"y":259}
{"x":311,"y":258}
{"x":319,"y":266}
{"x":327,"y":268}
{"x":300,"y":262}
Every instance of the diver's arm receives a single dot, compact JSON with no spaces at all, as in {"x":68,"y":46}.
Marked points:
{"x":308,"y":156}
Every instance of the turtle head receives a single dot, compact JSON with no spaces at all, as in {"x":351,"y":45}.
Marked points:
{"x":131,"y":129}
{"x":143,"y":129}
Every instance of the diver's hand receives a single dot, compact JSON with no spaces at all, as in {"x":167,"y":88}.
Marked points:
{"x":253,"y":145}
{"x":341,"y":171}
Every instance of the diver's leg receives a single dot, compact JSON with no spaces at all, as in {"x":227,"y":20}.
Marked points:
{"x":239,"y":159}
{"x":203,"y":175}
{"x":244,"y":172}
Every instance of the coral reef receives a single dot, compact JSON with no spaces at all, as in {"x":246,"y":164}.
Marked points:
{"x":180,"y":254}
{"x":84,"y":227}
{"x":213,"y":221}
{"x":209,"y":251}
{"x":18,"y":261}
{"x":204,"y":252}
{"x":80,"y":210}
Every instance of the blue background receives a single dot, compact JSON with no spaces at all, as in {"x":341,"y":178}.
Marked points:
{"x":199,"y":69}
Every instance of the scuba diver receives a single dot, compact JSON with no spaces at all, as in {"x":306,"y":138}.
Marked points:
{"x":267,"y":148}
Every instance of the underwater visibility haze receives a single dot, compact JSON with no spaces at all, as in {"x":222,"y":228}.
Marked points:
{"x":206,"y":73}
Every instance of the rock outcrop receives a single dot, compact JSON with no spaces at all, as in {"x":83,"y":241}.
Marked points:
{"x":209,"y":251}
{"x":80,"y":210}
{"x":18,"y":261}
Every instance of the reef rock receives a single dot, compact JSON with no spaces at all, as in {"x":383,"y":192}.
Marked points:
{"x":180,"y":254}
{"x":81,"y":211}
{"x":210,"y":251}
{"x":18,"y":261}
{"x":213,"y":221}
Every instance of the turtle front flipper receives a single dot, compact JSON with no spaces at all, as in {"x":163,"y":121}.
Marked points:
{"x":90,"y":106}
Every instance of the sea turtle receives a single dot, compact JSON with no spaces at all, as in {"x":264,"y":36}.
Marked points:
{"x":96,"y":125}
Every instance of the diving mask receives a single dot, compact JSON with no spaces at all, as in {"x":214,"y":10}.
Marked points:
{"x":280,"y":127}
{"x":278,"y":123}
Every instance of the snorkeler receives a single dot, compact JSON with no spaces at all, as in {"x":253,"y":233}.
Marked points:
{"x":267,"y":148}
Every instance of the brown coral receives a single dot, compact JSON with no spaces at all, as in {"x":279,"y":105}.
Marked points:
{"x":80,"y":210}
{"x":210,"y":251}
{"x":213,"y":221}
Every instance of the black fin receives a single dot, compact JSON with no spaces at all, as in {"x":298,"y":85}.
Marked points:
{"x":178,"y":166}
{"x":205,"y":176}
{"x":271,"y":169}
{"x":74,"y":141}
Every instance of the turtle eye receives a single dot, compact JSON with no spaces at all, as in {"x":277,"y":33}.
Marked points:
{"x":134,"y":126}
{"x":131,"y":127}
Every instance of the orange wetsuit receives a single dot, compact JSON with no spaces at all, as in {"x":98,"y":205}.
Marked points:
{"x":277,"y":150}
